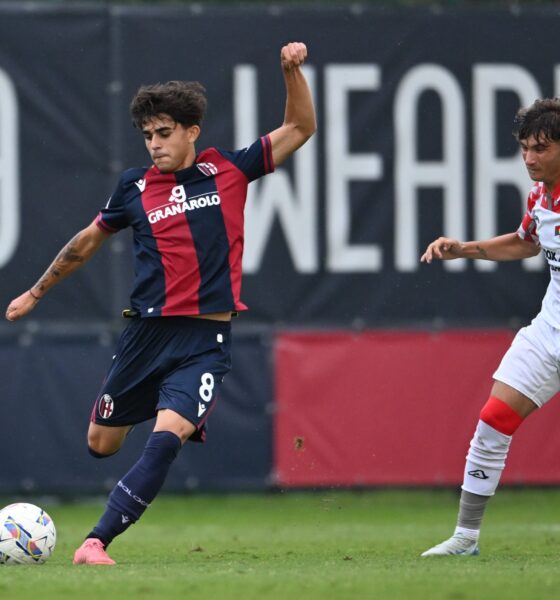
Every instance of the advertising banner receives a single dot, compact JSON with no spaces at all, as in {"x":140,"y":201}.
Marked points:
{"x":55,"y":134}
{"x":48,"y":392}
{"x":415,"y":112}
{"x":395,"y":408}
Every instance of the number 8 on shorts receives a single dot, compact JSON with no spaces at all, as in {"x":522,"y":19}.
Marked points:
{"x":206,"y":387}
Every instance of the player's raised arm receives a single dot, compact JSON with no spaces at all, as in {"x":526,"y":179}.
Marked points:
{"x":76,"y":252}
{"x":299,"y":118}
{"x":501,"y":248}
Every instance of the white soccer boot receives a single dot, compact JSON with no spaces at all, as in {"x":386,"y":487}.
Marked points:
{"x":456,"y":545}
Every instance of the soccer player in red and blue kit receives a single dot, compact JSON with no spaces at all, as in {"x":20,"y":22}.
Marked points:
{"x":186,"y":213}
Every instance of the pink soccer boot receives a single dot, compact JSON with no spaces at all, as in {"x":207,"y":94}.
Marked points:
{"x":92,"y":552}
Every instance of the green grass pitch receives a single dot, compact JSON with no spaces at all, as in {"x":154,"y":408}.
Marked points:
{"x":305,"y":546}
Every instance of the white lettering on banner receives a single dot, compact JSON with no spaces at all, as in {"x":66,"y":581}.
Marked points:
{"x":292,"y":200}
{"x":9,"y":167}
{"x":557,"y":80}
{"x":490,"y":170}
{"x":295,"y":205}
{"x":343,"y":167}
{"x":411,"y":174}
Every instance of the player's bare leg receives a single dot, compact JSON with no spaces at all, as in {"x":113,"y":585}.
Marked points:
{"x":169,"y":420}
{"x":500,"y":417}
{"x":104,"y":441}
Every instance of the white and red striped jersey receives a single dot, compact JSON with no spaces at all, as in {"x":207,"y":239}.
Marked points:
{"x":541,"y":226}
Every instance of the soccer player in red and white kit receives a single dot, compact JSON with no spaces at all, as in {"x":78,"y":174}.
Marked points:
{"x":528,"y":375}
{"x":186,"y":213}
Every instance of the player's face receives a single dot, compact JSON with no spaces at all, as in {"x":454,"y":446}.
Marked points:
{"x":542,"y":159}
{"x":170,"y":144}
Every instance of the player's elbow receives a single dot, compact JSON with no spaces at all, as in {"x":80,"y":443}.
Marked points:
{"x":301,"y":132}
{"x":289,"y":138}
{"x":308,"y":128}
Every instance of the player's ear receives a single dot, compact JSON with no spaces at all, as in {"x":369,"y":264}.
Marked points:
{"x":193,"y":132}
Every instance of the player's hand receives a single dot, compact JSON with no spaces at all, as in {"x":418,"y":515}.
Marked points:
{"x":443,"y":249}
{"x":21,"y":306}
{"x":293,"y":55}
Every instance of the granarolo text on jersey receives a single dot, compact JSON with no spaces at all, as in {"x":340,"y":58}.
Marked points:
{"x":163,"y":213}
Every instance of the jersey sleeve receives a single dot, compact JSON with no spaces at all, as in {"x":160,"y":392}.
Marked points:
{"x":113,"y":217}
{"x":528,"y":228}
{"x":255,"y":160}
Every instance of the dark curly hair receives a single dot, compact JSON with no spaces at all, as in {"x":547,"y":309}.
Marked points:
{"x":540,"y":120}
{"x":184,"y":101}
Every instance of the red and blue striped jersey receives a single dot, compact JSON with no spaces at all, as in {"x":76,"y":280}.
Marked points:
{"x":187,"y":230}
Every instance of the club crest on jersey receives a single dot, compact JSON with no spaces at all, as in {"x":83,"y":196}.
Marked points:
{"x":106,"y":406}
{"x":207,"y":169}
{"x":557,"y":230}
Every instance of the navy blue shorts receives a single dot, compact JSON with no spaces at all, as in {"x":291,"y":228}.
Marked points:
{"x":165,"y":362}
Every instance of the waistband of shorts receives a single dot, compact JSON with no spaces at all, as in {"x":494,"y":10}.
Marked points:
{"x":202,"y":323}
{"x":196,"y":323}
{"x":129,"y":313}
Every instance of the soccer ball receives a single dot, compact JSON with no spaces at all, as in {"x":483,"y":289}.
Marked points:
{"x":27,"y":534}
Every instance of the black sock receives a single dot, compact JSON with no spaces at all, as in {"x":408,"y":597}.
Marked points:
{"x":134,"y":492}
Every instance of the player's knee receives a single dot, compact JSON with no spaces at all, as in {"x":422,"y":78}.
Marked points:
{"x":500,"y":416}
{"x":172,"y":422}
{"x":100,"y":447}
{"x":96,"y":454}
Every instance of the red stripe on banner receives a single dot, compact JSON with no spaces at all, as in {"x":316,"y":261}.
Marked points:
{"x":395,"y":408}
{"x":176,"y":246}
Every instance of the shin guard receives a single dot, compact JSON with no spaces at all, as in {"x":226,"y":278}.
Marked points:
{"x":489,"y":447}
{"x":486,"y":460}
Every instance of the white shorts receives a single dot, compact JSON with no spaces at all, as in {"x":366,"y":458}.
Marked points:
{"x":531,"y":364}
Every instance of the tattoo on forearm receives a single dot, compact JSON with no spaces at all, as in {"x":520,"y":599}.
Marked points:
{"x":481,"y":251}
{"x":68,"y":254}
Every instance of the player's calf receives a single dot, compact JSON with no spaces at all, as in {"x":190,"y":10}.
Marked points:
{"x":486,"y":460}
{"x":489,"y":447}
{"x":135,"y":491}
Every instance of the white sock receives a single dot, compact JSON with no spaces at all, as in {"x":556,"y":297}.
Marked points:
{"x":468,"y":533}
{"x":485,"y":460}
